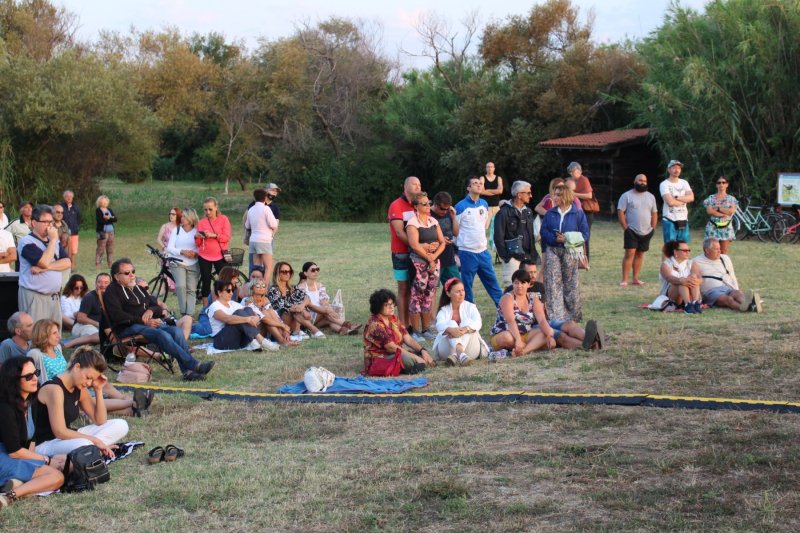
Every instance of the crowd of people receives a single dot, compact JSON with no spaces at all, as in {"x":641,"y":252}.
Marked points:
{"x":434,"y":243}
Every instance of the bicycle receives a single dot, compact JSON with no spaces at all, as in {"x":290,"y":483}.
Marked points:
{"x":752,"y":220}
{"x":785,"y":231}
{"x":159,"y":285}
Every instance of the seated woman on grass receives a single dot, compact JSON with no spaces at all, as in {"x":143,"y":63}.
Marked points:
{"x":677,"y":281}
{"x":514,"y":332}
{"x":60,"y":401}
{"x":385,"y":338}
{"x":291,"y":303}
{"x":319,"y":303}
{"x":23,"y":472}
{"x":458,"y":323}
{"x":234,"y":326}
{"x":271,"y":323}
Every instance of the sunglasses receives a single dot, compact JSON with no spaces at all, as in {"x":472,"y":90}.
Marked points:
{"x":58,"y":212}
{"x":684,"y":249}
{"x":227,"y":290}
{"x":31,"y":376}
{"x":77,"y":288}
{"x":129,"y":272}
{"x":721,"y":182}
{"x":259,"y":285}
{"x":313,"y":269}
{"x":285,"y":272}
{"x":424,"y":204}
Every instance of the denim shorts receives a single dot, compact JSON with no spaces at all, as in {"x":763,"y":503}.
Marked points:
{"x":713,"y":295}
{"x":556,"y":325}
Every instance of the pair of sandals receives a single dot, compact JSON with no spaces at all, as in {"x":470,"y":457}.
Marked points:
{"x":168,"y":453}
{"x":349,"y":328}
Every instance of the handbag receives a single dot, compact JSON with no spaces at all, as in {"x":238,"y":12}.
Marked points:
{"x":87,"y":469}
{"x":385,"y":367}
{"x":134,"y":373}
{"x":591,"y":205}
{"x":337,"y":304}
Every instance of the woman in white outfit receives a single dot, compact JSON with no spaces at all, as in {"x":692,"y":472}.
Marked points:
{"x":60,"y":400}
{"x":458,"y":323}
{"x":182,"y":246}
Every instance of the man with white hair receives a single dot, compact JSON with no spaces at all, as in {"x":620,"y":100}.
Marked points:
{"x":513,"y":230}
{"x":20,"y":325}
{"x":720,"y":287}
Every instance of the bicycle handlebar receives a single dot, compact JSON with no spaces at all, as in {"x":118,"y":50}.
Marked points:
{"x":164,"y":257}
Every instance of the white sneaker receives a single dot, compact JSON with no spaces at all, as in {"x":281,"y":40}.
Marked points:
{"x":463,"y":359}
{"x":303,"y":334}
{"x":296,"y":337}
{"x":253,"y":346}
{"x":497,"y":355}
{"x":319,"y":334}
{"x":270,"y":346}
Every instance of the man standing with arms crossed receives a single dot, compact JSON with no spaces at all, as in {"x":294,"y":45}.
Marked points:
{"x":514,"y":239}
{"x":41,"y":261}
{"x":676,"y":193}
{"x":638,"y":215}
{"x":472,"y":213}
{"x":400,"y":212}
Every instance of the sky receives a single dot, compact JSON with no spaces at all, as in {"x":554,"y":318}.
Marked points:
{"x":615,"y":20}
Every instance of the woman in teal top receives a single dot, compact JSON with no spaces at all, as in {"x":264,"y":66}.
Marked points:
{"x":46,"y":349}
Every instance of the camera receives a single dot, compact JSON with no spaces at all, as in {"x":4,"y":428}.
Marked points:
{"x":170,"y":320}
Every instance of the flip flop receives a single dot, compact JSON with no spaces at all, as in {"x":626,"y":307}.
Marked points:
{"x":173,"y":453}
{"x":639,"y":282}
{"x":590,"y":334}
{"x":623,"y":284}
{"x":156,"y":455}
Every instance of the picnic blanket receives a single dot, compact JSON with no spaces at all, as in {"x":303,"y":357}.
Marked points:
{"x":361,"y":384}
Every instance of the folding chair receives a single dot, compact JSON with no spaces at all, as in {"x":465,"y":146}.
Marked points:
{"x":115,"y":348}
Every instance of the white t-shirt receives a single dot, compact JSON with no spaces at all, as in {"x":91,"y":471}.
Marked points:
{"x":6,"y":242}
{"x":70,"y":305}
{"x":679,"y":188}
{"x":216,"y":325}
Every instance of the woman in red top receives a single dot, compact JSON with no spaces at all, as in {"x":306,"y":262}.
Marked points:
{"x":212,"y":237}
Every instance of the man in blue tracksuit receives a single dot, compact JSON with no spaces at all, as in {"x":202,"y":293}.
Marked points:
{"x":472,"y":213}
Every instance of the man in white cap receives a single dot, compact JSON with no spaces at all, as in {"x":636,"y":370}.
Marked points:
{"x":677,"y":194}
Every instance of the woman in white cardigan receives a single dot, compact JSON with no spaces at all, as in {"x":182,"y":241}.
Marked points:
{"x":186,"y":273}
{"x":459,"y":323}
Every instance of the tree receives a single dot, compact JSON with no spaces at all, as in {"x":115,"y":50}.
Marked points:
{"x":720,"y":90}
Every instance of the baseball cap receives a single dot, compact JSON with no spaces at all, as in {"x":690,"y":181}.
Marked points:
{"x":273,"y":186}
{"x":674,"y":162}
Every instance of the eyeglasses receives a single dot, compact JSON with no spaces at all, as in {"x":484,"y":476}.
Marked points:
{"x":684,"y":249}
{"x":285,"y":272}
{"x":129,"y":272}
{"x":313,"y":269}
{"x":31,"y":376}
{"x":45,"y":221}
{"x":173,"y":214}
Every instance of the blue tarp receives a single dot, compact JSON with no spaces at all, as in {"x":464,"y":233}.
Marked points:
{"x":361,"y":384}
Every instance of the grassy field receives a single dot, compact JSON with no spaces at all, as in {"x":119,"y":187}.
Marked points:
{"x":468,"y":467}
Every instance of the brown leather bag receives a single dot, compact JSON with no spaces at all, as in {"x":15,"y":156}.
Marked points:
{"x":591,"y":205}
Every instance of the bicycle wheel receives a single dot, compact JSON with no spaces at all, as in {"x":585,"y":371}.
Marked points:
{"x":159,"y":288}
{"x":764,"y":229}
{"x":740,"y":229}
{"x":785,"y":230}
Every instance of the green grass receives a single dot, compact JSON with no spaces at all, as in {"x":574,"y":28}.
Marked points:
{"x":468,"y":467}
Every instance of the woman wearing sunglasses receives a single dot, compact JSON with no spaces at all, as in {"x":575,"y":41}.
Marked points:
{"x":291,"y":303}
{"x":271,"y":323}
{"x":234,"y":326}
{"x":720,"y":208}
{"x":22,"y":471}
{"x":71,"y":298}
{"x":322,"y":313}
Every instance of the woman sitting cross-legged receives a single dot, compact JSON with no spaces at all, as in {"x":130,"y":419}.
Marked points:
{"x":458,"y":323}
{"x":60,"y":401}
{"x":22,"y":471}
{"x":384,"y":337}
{"x":677,"y":281}
{"x":291,"y":303}
{"x":234,"y":326}
{"x":514,"y":331}
{"x":319,"y":303}
{"x":271,"y":323}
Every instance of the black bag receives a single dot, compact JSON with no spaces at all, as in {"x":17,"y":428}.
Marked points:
{"x":88,"y":470}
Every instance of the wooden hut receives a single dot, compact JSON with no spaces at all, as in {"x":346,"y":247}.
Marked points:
{"x":611,"y":159}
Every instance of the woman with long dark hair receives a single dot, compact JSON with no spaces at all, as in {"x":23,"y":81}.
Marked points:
{"x":458,"y":323}
{"x":22,"y":471}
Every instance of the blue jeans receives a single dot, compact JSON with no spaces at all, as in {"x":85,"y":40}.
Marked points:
{"x":472,"y":263}
{"x":672,"y":233}
{"x":169,"y":339}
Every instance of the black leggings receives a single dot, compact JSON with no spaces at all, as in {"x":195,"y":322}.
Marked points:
{"x":205,"y":273}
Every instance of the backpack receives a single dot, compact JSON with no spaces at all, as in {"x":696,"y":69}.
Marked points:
{"x":88,"y":470}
